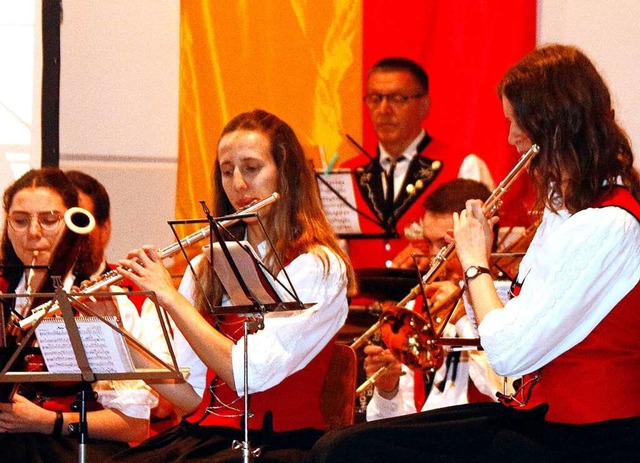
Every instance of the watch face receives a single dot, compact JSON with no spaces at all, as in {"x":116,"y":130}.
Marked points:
{"x":474,"y":271}
{"x":471,"y":272}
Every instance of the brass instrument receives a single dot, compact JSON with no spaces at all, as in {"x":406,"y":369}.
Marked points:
{"x":421,"y":332}
{"x":111,"y":277}
{"x":438,"y":310}
{"x":406,"y":333}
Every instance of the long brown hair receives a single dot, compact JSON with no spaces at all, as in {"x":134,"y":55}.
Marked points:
{"x":297,"y":223}
{"x":563,"y":105}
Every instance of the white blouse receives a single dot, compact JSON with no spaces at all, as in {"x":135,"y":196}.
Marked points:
{"x":577,"y":268}
{"x":290,"y":339}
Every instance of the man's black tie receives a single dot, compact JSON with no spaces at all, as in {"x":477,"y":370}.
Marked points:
{"x":390,"y":190}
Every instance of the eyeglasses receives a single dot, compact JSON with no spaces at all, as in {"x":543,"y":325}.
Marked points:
{"x":396,"y":100}
{"x":49,"y":221}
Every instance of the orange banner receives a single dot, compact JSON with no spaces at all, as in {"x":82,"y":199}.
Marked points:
{"x":299,"y":60}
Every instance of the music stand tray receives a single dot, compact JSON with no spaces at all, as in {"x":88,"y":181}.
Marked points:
{"x":86,"y":374}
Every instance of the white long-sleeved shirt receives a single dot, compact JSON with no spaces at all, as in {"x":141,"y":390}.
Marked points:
{"x":577,"y":268}
{"x":289,"y":340}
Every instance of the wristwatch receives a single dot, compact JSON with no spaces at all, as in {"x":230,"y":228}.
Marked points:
{"x":473,"y":271}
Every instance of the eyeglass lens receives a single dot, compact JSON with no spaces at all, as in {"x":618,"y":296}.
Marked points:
{"x":48,"y":220}
{"x":394,"y":99}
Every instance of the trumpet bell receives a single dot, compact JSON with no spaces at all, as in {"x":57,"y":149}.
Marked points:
{"x":409,"y":337}
{"x":79,"y":220}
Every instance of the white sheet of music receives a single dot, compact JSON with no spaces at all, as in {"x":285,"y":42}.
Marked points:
{"x":106,"y":349}
{"x":342,"y":218}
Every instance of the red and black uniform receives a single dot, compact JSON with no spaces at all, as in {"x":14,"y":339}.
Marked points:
{"x":600,"y":366}
{"x":426,"y":171}
{"x":580,"y":406}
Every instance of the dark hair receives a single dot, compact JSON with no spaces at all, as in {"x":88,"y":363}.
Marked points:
{"x":403,"y":64}
{"x":563,"y":105}
{"x":47,"y":177}
{"x":451,"y":196}
{"x":297,"y":223}
{"x":94,"y":190}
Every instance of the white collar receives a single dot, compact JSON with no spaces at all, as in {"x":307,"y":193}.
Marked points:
{"x":409,"y":153}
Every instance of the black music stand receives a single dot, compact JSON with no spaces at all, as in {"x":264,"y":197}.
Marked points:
{"x":337,"y":207}
{"x":453,"y":343}
{"x":62,"y":301}
{"x":250,"y":298}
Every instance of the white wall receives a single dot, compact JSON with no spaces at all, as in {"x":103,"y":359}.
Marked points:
{"x":20,"y":89}
{"x":119,"y":95}
{"x":119,"y":110}
{"x":607,"y":31}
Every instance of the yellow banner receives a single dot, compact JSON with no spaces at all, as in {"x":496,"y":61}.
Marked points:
{"x":299,"y":60}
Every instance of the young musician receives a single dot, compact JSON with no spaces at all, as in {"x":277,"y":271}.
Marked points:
{"x":464,"y":376}
{"x":258,"y":154}
{"x":38,"y":431}
{"x":572,"y":329}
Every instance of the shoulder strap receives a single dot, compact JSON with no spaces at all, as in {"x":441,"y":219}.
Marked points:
{"x":621,"y":197}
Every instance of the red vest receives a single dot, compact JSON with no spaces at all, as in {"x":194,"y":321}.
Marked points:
{"x":375,"y":252}
{"x":293,"y":404}
{"x":597,"y":379}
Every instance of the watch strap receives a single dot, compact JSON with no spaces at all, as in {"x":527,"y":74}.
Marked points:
{"x":479,"y":271}
{"x":57,"y":424}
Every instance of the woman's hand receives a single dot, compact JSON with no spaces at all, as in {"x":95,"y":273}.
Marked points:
{"x":144,"y":267}
{"x":473,"y":234}
{"x":23,"y":415}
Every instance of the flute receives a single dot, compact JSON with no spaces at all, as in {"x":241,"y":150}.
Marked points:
{"x":112,"y":276}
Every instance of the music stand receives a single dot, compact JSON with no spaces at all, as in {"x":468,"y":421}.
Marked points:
{"x":62,"y":300}
{"x":337,"y":194}
{"x":454,"y":343}
{"x":251,"y":283}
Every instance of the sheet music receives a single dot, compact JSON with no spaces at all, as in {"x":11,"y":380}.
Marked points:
{"x":342,"y":218}
{"x":106,"y":349}
{"x":246,"y":265}
{"x":503,"y":289}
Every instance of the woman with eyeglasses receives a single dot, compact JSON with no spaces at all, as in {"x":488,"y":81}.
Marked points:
{"x":37,"y":430}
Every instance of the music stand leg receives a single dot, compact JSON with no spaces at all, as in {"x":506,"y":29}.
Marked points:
{"x":81,"y":428}
{"x":247,"y":453}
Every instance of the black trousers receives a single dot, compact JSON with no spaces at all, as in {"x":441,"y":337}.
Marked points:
{"x":194,"y":444}
{"x":484,"y":432}
{"x":41,"y":448}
